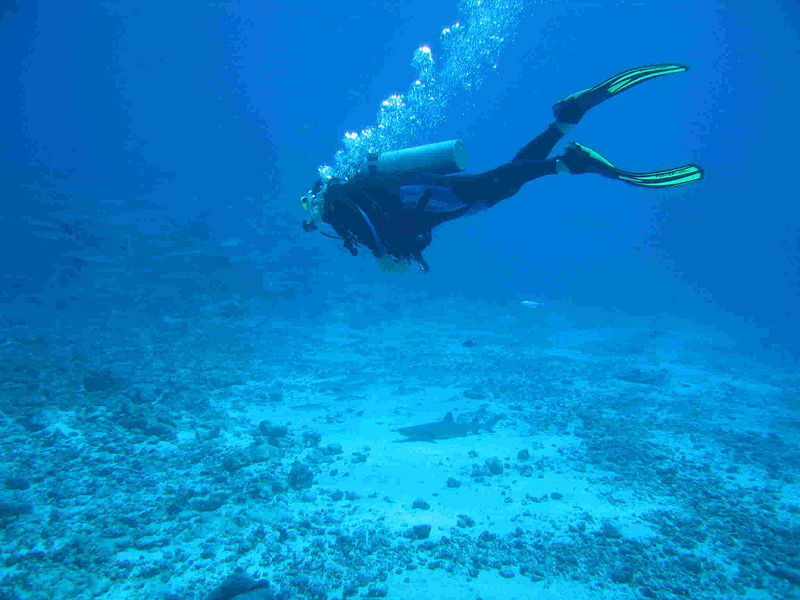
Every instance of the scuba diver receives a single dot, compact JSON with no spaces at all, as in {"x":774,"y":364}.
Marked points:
{"x":394,"y":202}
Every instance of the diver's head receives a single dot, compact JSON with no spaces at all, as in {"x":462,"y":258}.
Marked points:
{"x":312,"y":203}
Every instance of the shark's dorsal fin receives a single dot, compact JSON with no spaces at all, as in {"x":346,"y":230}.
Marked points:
{"x":448,"y":418}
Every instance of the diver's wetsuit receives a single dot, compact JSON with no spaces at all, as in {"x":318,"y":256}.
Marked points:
{"x":395,"y":218}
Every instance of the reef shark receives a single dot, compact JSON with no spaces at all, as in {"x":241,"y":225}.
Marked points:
{"x":444,"y":430}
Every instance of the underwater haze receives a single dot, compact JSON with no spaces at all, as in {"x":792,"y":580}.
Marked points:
{"x":593,"y":394}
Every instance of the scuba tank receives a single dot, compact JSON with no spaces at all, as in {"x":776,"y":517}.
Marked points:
{"x":439,"y":159}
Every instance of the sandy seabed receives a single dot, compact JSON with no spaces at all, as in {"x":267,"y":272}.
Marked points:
{"x":246,"y":456}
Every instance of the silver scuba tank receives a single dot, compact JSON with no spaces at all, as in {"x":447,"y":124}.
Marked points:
{"x":440,"y":158}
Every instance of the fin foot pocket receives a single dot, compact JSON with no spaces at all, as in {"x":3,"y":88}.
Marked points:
{"x":582,"y":159}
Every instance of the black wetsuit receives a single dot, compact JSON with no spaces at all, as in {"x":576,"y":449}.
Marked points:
{"x":395,"y":217}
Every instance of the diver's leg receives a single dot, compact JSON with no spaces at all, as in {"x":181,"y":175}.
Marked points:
{"x":542,"y":145}
{"x":484,"y":190}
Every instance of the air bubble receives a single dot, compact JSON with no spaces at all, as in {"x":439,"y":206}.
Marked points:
{"x":443,"y":86}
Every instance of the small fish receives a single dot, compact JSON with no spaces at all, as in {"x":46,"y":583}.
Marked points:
{"x":172,"y":320}
{"x":532,"y":304}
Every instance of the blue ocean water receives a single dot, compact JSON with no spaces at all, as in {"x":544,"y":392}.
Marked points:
{"x":593,"y":394}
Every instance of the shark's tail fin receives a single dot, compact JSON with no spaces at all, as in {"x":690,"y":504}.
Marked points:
{"x":489,"y":425}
